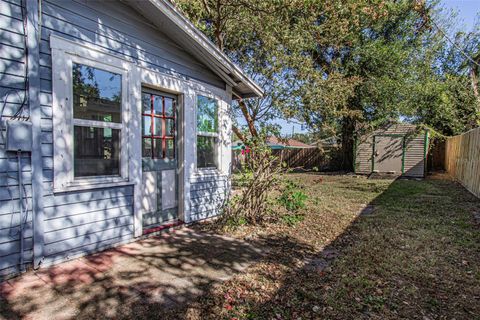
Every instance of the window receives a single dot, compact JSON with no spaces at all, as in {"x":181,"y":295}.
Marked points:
{"x":207,"y":132}
{"x":90,"y":100}
{"x":97,"y":121}
{"x":158,"y":126}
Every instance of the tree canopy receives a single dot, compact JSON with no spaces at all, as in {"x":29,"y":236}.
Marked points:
{"x":340,"y":66}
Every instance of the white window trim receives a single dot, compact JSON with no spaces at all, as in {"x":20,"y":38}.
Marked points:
{"x":208,"y":171}
{"x":64,"y":54}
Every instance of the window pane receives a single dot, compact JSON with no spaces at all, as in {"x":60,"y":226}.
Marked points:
{"x":157,"y":105}
{"x":158,"y":127}
{"x":207,"y":114}
{"x":158,"y":148}
{"x":207,"y":152}
{"x":147,"y":124}
{"x":97,"y":94}
{"x":146,"y":103}
{"x":97,"y":151}
{"x":147,"y":147}
{"x":170,"y":129}
{"x":170,"y":151}
{"x":169,"y":112}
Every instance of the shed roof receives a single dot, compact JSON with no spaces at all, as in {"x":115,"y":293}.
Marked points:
{"x":168,"y":18}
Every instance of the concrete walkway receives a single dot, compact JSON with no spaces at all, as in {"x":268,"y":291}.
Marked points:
{"x":151,"y":274}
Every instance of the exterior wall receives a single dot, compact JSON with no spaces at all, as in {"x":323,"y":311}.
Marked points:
{"x":114,"y":26}
{"x":363,"y":156}
{"x":207,"y":194}
{"x":12,"y":78}
{"x":414,"y":163}
{"x":79,"y":222}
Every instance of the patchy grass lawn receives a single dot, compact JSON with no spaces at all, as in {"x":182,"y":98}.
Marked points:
{"x":415,"y":253}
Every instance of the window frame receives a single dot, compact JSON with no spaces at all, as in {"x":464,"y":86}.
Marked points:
{"x":216,"y":134}
{"x":64,"y":121}
{"x":163,"y":137}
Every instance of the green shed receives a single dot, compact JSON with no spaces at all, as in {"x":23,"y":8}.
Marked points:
{"x":398,"y":148}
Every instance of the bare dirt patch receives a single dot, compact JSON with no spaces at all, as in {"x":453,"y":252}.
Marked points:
{"x":414,"y":253}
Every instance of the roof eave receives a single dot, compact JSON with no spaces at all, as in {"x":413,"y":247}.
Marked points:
{"x":218,"y":61}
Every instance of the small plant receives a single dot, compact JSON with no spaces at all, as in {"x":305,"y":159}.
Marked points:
{"x":292,"y":198}
{"x":293,"y":219}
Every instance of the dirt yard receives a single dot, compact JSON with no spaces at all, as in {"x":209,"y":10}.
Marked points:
{"x":377,"y":249}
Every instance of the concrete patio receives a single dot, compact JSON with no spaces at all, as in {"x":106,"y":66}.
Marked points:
{"x":156,"y":273}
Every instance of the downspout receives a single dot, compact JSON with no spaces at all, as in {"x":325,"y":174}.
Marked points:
{"x":425,"y":152}
{"x":355,"y":141}
{"x":33,"y":35}
{"x":23,"y":211}
{"x":373,"y":154}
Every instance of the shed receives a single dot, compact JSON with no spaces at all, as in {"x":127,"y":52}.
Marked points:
{"x":396,"y":148}
{"x":115,"y":124}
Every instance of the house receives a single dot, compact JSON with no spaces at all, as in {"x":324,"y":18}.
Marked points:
{"x":115,"y":122}
{"x":397,"y":148}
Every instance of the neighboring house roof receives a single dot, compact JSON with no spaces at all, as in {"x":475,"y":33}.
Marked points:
{"x":276,"y":143}
{"x":286,"y":143}
{"x":169,"y":20}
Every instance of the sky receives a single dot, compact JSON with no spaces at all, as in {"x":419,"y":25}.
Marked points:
{"x":467,"y":13}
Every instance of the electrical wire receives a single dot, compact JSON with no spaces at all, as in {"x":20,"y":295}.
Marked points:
{"x":454,"y":43}
{"x":2,"y":110}
{"x":26,"y":84}
{"x":18,"y":114}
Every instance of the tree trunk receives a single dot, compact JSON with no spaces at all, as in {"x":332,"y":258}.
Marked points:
{"x":348,"y":131}
{"x":239,"y":134}
{"x":248,"y":118}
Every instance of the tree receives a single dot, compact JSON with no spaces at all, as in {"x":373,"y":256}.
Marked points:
{"x":250,"y":33}
{"x":343,"y":65}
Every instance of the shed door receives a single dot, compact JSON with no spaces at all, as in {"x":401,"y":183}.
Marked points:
{"x":159,"y":157}
{"x":388,"y":154}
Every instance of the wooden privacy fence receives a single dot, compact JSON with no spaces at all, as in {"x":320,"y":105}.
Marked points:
{"x":462,"y":159}
{"x":305,"y":158}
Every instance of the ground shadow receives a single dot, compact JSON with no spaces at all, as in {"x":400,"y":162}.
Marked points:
{"x":410,"y":253}
{"x":415,"y":243}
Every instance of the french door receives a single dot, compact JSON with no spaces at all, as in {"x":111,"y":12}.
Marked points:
{"x":159,"y":157}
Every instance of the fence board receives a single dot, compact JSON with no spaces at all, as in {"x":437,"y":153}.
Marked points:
{"x":462,"y":159}
{"x":305,"y":158}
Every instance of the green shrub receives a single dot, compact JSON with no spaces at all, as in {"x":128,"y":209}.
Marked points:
{"x":292,"y":198}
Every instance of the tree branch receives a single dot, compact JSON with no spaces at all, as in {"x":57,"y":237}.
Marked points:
{"x":239,"y":134}
{"x":248,"y":118}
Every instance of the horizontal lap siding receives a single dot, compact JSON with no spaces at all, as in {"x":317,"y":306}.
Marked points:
{"x":81,"y":222}
{"x":123,"y":33}
{"x":207,"y":196}
{"x":363,"y":158}
{"x":12,"y":79}
{"x":78,"y":223}
{"x":414,"y":156}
